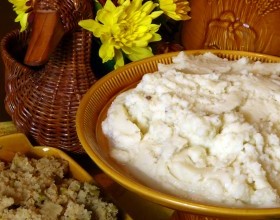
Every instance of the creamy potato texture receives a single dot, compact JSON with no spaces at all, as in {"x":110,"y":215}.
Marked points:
{"x":203,"y":128}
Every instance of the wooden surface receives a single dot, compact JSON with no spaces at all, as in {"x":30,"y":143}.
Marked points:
{"x":7,"y":24}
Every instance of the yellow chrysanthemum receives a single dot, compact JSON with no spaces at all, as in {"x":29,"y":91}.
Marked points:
{"x":175,"y":9}
{"x":126,"y":28}
{"x":20,"y":7}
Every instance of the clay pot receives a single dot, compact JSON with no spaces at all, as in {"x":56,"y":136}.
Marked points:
{"x":247,"y":25}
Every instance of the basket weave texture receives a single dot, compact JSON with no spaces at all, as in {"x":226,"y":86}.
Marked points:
{"x":43,"y":101}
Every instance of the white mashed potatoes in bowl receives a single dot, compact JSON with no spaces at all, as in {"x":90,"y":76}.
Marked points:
{"x":194,"y":131}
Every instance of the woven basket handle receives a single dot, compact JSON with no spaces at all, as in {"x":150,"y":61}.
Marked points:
{"x":47,"y":31}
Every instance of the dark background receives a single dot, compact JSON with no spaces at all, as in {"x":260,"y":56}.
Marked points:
{"x":7,"y":17}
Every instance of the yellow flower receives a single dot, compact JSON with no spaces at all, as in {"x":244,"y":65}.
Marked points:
{"x":126,"y":28}
{"x":175,"y":9}
{"x":20,"y":7}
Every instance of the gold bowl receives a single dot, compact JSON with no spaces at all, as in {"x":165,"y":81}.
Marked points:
{"x":92,"y":111}
{"x":18,"y":142}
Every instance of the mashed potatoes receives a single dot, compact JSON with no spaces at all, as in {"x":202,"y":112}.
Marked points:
{"x":203,"y":128}
{"x":40,"y":189}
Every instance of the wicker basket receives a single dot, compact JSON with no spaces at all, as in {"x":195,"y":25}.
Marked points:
{"x":43,"y":101}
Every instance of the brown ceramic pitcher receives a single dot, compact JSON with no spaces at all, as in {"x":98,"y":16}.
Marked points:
{"x":247,"y":25}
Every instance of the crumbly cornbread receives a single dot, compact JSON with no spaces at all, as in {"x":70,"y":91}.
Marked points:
{"x":41,"y":189}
